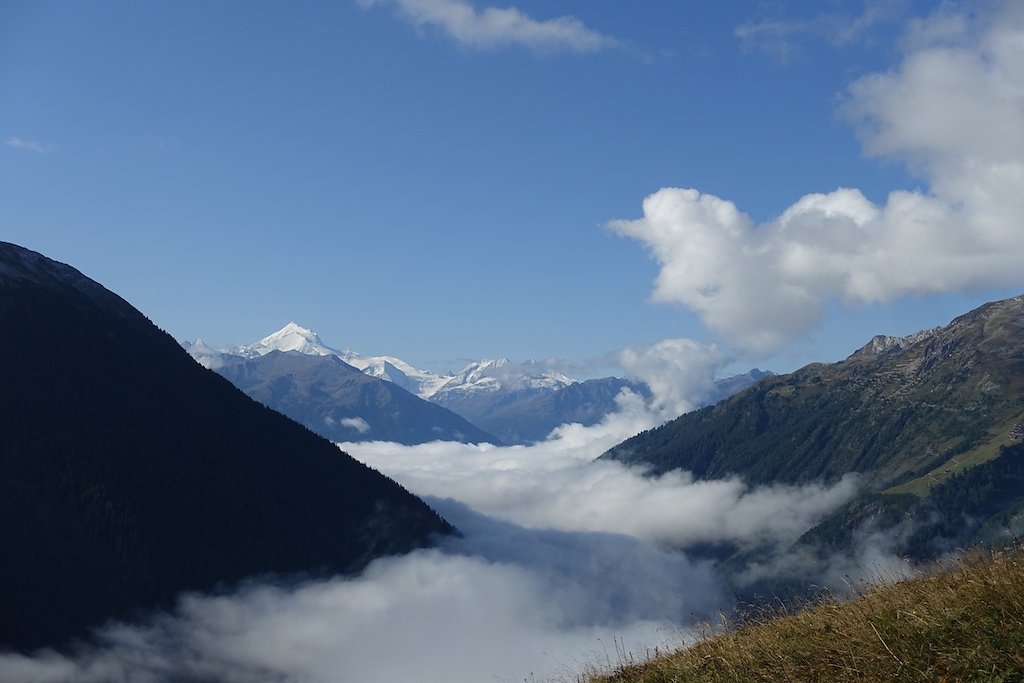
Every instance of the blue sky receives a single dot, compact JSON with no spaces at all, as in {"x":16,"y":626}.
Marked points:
{"x":438,"y":179}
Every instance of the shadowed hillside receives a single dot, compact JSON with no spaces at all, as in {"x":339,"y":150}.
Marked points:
{"x":128,"y":473}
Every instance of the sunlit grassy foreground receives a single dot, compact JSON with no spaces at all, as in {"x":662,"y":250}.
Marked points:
{"x":962,"y":622}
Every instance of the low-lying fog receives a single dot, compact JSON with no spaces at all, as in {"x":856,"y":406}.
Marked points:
{"x":564,"y":563}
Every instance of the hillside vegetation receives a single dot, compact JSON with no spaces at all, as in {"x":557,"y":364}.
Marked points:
{"x":932,"y":424}
{"x":902,"y":412}
{"x":964,"y":622}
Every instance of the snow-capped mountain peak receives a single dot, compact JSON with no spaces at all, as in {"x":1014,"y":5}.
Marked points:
{"x":485,"y":376}
{"x":394,"y":370}
{"x":291,"y":337}
{"x":501,"y":374}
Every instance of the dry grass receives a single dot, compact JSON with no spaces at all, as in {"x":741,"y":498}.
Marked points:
{"x":964,"y":621}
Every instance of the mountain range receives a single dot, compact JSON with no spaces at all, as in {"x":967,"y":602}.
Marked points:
{"x":386,"y":398}
{"x":491,"y":400}
{"x":129,"y":474}
{"x":340,"y":403}
{"x":483,"y":375}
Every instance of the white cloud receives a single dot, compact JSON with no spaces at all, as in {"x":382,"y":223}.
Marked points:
{"x":462,"y":618}
{"x":679,"y":372}
{"x":955,"y":113}
{"x":493,"y":27}
{"x":954,"y":103}
{"x":556,"y":485}
{"x":30,"y":145}
{"x":356,"y":423}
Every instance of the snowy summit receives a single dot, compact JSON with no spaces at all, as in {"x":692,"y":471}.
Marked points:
{"x":484,"y":376}
{"x":291,"y":337}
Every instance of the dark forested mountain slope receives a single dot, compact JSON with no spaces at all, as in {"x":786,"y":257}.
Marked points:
{"x":341,"y":403}
{"x":909,"y":411}
{"x":128,"y":473}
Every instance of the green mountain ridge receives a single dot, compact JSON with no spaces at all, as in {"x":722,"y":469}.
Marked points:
{"x":892,"y":413}
{"x":909,"y":415}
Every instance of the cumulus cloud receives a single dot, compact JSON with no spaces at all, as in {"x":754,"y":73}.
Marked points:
{"x":679,"y":372}
{"x":953,"y":110}
{"x":954,"y":103}
{"x":30,"y":145}
{"x":493,"y":27}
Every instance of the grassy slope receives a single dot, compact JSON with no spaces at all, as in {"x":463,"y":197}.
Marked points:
{"x":987,"y":450}
{"x":962,"y":623}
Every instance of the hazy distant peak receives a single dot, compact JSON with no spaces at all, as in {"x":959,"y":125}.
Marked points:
{"x":199,"y":345}
{"x":204,"y":354}
{"x":502,"y":374}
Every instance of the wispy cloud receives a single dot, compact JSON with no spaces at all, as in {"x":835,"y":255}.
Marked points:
{"x":952,"y":112}
{"x":783,"y":38}
{"x":494,"y":27}
{"x":30,"y":145}
{"x":356,"y":423}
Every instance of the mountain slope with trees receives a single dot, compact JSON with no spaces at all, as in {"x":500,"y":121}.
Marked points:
{"x":128,"y":473}
{"x":905,"y":413}
{"x":931,"y":422}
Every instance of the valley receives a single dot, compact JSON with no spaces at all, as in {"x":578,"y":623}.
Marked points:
{"x":456,"y":341}
{"x":908,"y":448}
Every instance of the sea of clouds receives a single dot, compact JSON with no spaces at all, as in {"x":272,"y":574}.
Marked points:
{"x":563,"y":564}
